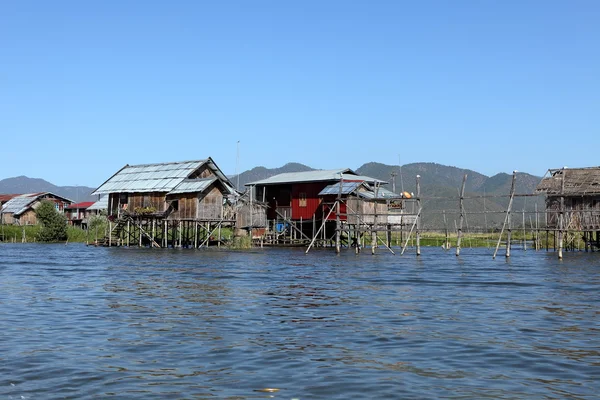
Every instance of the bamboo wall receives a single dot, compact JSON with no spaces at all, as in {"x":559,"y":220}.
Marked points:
{"x":366,"y":211}
{"x":580,"y":213}
{"x":258,"y":218}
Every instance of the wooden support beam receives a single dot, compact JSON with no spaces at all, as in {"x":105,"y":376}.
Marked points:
{"x":418,"y":219}
{"x":462,"y":215}
{"x":507,"y":219}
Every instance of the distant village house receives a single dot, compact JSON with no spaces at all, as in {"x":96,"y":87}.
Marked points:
{"x":20,"y":209}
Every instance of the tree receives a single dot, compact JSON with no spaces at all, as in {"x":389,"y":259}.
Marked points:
{"x":54,"y":224}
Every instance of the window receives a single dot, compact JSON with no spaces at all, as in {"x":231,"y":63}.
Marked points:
{"x":175,"y":205}
{"x":302,"y":202}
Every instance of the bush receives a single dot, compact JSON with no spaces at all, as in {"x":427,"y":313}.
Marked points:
{"x":54,"y":224}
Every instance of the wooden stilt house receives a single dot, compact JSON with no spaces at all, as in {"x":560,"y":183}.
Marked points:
{"x":168,"y":203}
{"x":573,"y":193}
{"x":299,"y":203}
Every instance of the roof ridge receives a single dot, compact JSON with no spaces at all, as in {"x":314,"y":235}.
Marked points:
{"x":168,"y":163}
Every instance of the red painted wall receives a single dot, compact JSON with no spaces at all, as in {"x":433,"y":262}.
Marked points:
{"x":311,"y":191}
{"x":290,"y":195}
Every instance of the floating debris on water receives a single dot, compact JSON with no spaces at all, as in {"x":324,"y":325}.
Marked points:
{"x":267,"y":390}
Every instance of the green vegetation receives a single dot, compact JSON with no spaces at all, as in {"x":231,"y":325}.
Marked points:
{"x":53,"y":224}
{"x":16,"y":233}
{"x":145,"y":210}
{"x":240,"y":243}
{"x":98,"y":226}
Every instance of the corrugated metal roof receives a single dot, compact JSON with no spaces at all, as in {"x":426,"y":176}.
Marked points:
{"x":307,"y":176}
{"x":21,"y":203}
{"x":18,"y":204}
{"x":193,"y":185}
{"x":382,"y":193}
{"x":368,"y":179}
{"x":162,"y":177}
{"x":85,"y":204}
{"x":101,"y":204}
{"x":347,"y":188}
{"x":314,"y":176}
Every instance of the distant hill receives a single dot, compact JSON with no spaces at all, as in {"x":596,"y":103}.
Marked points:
{"x":258,"y":173}
{"x":440,"y":186}
{"x":23,"y":184}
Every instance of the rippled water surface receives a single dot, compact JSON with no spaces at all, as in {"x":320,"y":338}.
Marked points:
{"x":85,"y":322}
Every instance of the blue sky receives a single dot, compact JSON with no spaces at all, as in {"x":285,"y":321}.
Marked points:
{"x":493,"y":86}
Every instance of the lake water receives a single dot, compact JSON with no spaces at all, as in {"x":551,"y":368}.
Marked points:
{"x":85,"y":322}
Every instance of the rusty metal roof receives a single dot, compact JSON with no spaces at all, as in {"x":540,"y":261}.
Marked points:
{"x":577,"y":182}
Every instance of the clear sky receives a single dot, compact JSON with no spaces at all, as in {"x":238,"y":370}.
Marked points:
{"x":87,"y":87}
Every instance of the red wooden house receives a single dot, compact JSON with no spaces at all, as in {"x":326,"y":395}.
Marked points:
{"x":77,"y":214}
{"x":295,"y":196}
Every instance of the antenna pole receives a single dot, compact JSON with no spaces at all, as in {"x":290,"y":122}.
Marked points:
{"x":400,"y":171}
{"x":237,"y":162}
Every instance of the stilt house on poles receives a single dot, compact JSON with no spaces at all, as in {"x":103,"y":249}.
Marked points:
{"x":573,"y":202}
{"x":315,"y":206}
{"x":168,"y":204}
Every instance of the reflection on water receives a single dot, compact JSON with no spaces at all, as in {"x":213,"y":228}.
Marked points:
{"x":82,"y":322}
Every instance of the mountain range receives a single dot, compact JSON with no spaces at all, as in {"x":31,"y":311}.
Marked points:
{"x":23,"y":184}
{"x":440,"y":187}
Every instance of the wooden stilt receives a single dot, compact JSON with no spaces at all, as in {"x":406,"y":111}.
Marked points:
{"x":462,"y":215}
{"x":508,"y":214}
{"x":507,"y":219}
{"x":418,"y":233}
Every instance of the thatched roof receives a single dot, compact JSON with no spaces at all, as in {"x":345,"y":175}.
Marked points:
{"x":578,"y":182}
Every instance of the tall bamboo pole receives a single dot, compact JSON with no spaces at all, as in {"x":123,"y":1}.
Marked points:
{"x":462,"y":214}
{"x":507,"y":219}
{"x":418,"y":233}
{"x":337,"y":217}
{"x":561,"y":217}
{"x":508,"y":214}
{"x":374,"y":227}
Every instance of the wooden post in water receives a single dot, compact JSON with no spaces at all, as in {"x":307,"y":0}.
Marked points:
{"x":508,"y":212}
{"x":109,"y":233}
{"x":524,"y":236}
{"x":338,"y":226}
{"x":165,"y":239}
{"x":537,"y":232}
{"x":561,"y":217}
{"x":507,"y":219}
{"x":374,"y":226}
{"x":462,"y":215}
{"x":418,"y":226}
{"x":446,"y":243}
